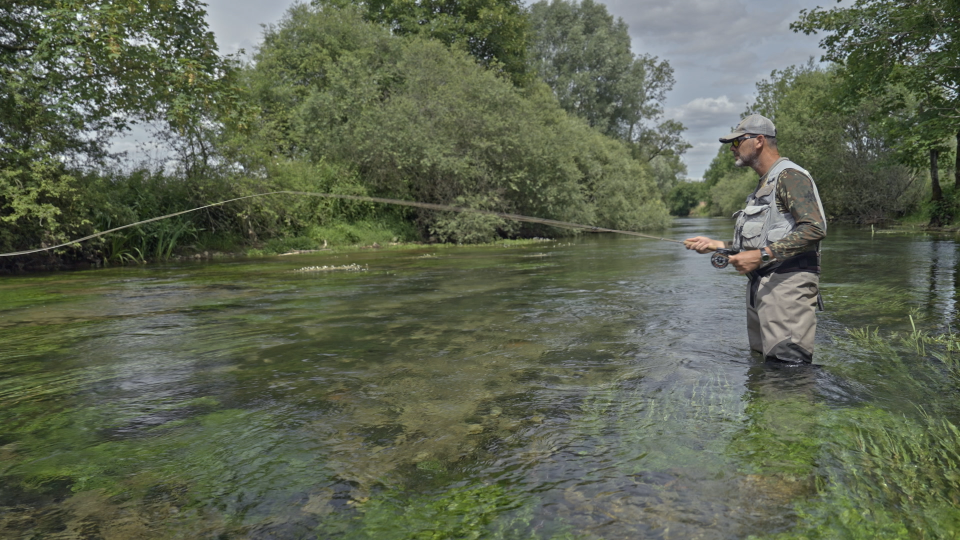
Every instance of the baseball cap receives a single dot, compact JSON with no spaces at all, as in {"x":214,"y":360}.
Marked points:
{"x":755,"y":124}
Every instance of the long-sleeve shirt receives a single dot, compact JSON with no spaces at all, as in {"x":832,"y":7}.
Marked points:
{"x":796,"y":195}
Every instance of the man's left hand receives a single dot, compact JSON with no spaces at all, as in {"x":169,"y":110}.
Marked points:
{"x":746,"y":261}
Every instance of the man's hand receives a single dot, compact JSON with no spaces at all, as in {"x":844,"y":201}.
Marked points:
{"x":746,"y":261}
{"x":702,"y":244}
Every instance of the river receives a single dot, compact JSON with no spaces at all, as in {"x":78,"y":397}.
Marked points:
{"x":591,"y":387}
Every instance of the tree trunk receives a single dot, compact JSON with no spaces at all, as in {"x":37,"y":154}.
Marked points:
{"x":956,"y":168}
{"x":937,"y":197}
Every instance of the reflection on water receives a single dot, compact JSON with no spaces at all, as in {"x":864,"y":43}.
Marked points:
{"x":599,"y":388}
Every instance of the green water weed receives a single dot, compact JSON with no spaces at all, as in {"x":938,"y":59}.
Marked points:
{"x":457,"y":513}
{"x":885,"y":476}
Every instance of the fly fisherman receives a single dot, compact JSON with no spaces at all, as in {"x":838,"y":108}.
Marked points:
{"x":777,"y":241}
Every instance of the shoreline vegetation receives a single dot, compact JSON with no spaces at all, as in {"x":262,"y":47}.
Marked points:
{"x":540,"y":110}
{"x":189,"y":253}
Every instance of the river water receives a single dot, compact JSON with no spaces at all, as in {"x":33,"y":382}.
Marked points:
{"x":593,"y":387}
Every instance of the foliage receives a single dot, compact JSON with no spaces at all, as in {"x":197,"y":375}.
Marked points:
{"x":419,"y":121}
{"x":492,"y":31}
{"x":730,"y":193}
{"x":907,"y":42}
{"x":894,"y":52}
{"x":584,"y":55}
{"x":722,"y":164}
{"x":686,"y":196}
{"x":668,"y":171}
{"x":76,"y":72}
{"x":845,"y":149}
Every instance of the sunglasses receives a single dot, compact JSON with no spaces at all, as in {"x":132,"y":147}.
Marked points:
{"x":736,"y":142}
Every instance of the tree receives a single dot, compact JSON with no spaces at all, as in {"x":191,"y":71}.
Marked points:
{"x":720,"y":165}
{"x":492,"y":31}
{"x":584,"y":55}
{"x":909,"y":44}
{"x":417,"y":120}
{"x":848,"y":148}
{"x":75,"y":72}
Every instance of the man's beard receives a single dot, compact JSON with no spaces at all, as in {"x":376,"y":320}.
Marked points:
{"x":745,"y":162}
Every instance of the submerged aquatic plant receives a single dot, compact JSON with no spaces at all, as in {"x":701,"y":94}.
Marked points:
{"x":885,"y":476}
{"x":472,"y":512}
{"x":890,"y":473}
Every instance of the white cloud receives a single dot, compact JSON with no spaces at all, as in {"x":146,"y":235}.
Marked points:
{"x":706,"y":112}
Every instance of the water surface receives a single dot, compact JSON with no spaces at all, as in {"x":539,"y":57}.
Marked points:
{"x":596,"y":387}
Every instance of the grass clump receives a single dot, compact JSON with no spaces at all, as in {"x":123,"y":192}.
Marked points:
{"x":886,"y":475}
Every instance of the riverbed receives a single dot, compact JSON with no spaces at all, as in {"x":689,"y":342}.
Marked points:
{"x":596,"y":386}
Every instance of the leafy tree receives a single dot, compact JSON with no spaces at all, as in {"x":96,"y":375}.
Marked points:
{"x":848,"y":148}
{"x":721,"y":164}
{"x":584,"y":55}
{"x":685,"y":196}
{"x":905,"y":44}
{"x":75,"y":72}
{"x":729,"y":194}
{"x":493,"y":31}
{"x":420,"y":121}
{"x":848,"y":151}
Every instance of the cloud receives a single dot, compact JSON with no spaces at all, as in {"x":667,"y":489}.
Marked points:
{"x":706,"y":112}
{"x":238,"y":24}
{"x":704,"y":26}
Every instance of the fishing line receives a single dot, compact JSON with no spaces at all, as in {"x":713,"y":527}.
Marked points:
{"x":398,"y":202}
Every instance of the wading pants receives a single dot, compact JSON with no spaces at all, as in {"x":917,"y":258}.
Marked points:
{"x":782,"y":315}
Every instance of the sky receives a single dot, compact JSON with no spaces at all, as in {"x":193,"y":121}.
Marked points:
{"x":718,"y":49}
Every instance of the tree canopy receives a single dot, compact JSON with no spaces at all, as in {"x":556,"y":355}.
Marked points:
{"x":902,"y":53}
{"x":492,"y":31}
{"x":74,"y":72}
{"x":420,"y":121}
{"x":584,"y":55}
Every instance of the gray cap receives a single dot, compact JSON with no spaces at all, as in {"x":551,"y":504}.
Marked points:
{"x":754,"y":125}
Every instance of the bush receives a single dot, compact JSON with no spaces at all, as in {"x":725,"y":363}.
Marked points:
{"x":731,"y":192}
{"x":418,"y":121}
{"x":685,"y":197}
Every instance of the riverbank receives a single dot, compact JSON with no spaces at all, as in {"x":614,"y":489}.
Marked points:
{"x":265,"y":250}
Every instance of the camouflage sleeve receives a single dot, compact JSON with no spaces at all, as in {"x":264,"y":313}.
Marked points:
{"x":795,"y":194}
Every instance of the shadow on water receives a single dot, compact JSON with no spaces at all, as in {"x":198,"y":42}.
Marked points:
{"x":590,"y":388}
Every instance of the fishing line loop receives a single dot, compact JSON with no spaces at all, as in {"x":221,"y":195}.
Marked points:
{"x":398,"y":202}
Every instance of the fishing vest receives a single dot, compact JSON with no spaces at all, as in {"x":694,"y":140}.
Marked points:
{"x":761,"y":223}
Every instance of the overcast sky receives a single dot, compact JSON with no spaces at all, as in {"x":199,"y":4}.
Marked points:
{"x":718,"y":49}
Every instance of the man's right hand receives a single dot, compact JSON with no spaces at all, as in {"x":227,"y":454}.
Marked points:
{"x":702,"y":244}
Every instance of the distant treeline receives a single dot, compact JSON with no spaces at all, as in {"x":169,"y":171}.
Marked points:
{"x":542,"y":111}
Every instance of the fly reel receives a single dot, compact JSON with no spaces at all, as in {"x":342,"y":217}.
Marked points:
{"x":721,"y":258}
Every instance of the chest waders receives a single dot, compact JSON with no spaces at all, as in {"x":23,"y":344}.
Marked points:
{"x":761,"y":223}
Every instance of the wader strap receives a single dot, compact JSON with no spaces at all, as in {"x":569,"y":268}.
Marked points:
{"x":808,"y":261}
{"x":754,"y":287}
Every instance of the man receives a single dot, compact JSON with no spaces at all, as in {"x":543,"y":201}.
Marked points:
{"x":777,"y":237}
